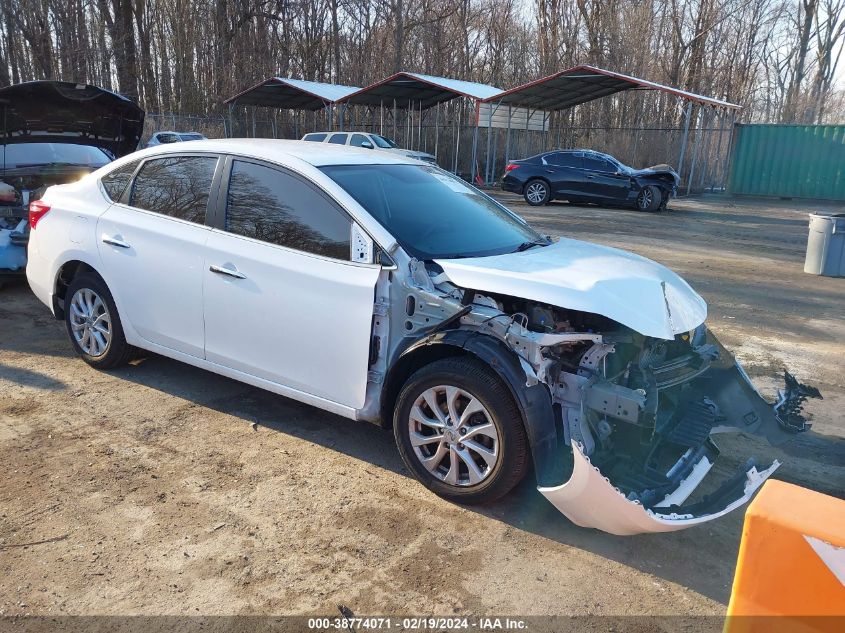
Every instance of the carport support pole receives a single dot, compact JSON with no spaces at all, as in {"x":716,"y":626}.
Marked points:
{"x":394,"y":121}
{"x":489,"y":143}
{"x":436,"y":128}
{"x":460,"y":111}
{"x":508,"y":138}
{"x":419,"y":128}
{"x":684,"y":140}
{"x":381,"y":118}
{"x":720,"y":117}
{"x":694,"y":155}
{"x":705,"y":154}
{"x":472,"y":168}
{"x":729,"y":149}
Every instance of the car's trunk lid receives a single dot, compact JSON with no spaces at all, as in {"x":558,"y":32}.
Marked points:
{"x":65,"y":112}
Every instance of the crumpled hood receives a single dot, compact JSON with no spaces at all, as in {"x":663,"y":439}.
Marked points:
{"x":632,"y":290}
{"x":657,"y":169}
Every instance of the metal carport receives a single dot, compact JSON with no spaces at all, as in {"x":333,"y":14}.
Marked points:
{"x":581,"y":84}
{"x":284,"y":93}
{"x":419,"y":93}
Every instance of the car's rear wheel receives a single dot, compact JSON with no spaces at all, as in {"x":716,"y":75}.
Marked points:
{"x":536,"y":192}
{"x":650,"y":198}
{"x":93,"y":323}
{"x":459,"y":431}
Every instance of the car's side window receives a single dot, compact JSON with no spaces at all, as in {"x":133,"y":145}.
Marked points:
{"x":116,"y":180}
{"x":358,"y":140}
{"x":273,"y":206}
{"x":338,"y":139}
{"x":563,"y":159}
{"x":316,"y":137}
{"x":597,"y":164}
{"x":177,"y":186}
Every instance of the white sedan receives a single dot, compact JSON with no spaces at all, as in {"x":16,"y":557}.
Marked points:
{"x":382,"y":288}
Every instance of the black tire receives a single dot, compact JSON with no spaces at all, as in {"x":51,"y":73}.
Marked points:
{"x":478,"y":380}
{"x":539,"y":185}
{"x":650,"y":198}
{"x":117,"y":352}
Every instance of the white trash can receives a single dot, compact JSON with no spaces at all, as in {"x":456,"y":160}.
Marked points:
{"x":826,"y":245}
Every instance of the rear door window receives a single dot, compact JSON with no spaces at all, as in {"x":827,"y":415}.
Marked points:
{"x":178,"y":186}
{"x":563,"y":159}
{"x":338,"y":139}
{"x":274,"y":206}
{"x":116,"y":180}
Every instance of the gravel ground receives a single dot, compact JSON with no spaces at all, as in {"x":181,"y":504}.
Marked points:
{"x":164,"y":489}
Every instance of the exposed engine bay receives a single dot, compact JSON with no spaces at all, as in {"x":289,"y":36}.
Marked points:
{"x":636,"y":415}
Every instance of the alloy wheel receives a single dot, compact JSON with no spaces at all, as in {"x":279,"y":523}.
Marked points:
{"x":536,"y":192}
{"x":645,"y":198}
{"x":453,"y":436}
{"x":90,"y":322}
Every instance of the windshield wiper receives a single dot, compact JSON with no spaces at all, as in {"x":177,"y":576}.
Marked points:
{"x":531,"y":244}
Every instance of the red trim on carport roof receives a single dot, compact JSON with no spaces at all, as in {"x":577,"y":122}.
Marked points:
{"x":403,"y":73}
{"x":644,"y":83}
{"x":281,"y":81}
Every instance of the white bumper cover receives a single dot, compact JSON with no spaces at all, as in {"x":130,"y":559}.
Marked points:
{"x":589,"y":499}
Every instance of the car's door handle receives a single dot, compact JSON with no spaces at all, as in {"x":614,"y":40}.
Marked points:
{"x":114,"y":241}
{"x":222,"y":270}
{"x":591,"y":176}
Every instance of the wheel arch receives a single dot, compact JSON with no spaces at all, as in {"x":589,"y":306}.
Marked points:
{"x":539,"y":177}
{"x":64,"y":275}
{"x":533,"y":401}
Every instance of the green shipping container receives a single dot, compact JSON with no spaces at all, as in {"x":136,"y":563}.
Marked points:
{"x":789,"y":161}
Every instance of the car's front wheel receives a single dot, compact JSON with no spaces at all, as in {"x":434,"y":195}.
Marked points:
{"x":650,"y":198}
{"x":459,"y":431}
{"x":93,"y":323}
{"x":536,"y":192}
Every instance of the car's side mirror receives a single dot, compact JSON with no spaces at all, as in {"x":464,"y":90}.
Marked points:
{"x":367,"y":144}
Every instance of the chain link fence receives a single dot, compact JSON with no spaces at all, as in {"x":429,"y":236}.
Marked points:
{"x":481,"y":154}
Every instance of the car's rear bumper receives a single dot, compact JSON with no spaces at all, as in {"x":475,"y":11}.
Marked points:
{"x":512,"y":185}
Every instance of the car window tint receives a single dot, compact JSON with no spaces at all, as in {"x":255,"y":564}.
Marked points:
{"x":270,"y":205}
{"x":358,"y":140}
{"x":315,"y":137}
{"x":178,"y":186}
{"x":597,"y":164}
{"x":167,"y":138}
{"x":338,"y":139}
{"x":563,"y":159}
{"x":116,"y":180}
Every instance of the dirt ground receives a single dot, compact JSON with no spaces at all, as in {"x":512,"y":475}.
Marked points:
{"x":164,"y":489}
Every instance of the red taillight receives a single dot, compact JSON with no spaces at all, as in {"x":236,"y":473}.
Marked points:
{"x":37,"y":210}
{"x":511,"y":167}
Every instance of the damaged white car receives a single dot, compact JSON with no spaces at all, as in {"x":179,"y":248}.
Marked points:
{"x":386,"y":289}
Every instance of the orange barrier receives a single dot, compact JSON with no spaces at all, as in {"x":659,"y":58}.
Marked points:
{"x":791,"y":563}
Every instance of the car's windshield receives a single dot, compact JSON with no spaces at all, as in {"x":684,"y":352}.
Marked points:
{"x":36,"y":154}
{"x":433,"y":214}
{"x":384,"y":143}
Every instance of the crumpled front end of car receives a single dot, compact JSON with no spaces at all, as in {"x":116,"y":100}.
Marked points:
{"x":641,"y":417}
{"x":637,"y":417}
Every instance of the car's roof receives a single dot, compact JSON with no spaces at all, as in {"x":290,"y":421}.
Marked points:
{"x":316,"y":154}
